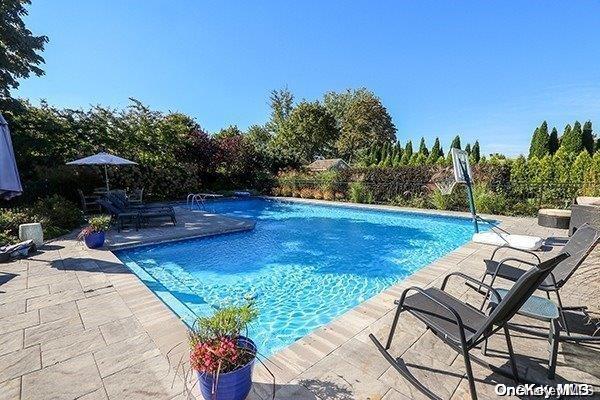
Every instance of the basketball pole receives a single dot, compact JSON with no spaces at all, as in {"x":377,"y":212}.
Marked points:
{"x":470,"y":195}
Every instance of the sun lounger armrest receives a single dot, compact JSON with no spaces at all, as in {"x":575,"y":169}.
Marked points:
{"x":517,"y":249}
{"x":473,"y":280}
{"x":445,"y":306}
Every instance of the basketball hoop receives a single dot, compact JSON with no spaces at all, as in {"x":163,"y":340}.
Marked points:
{"x":444,"y":181}
{"x":446,"y":186}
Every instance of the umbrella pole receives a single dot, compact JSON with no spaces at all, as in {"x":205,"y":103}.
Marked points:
{"x":106,"y":176}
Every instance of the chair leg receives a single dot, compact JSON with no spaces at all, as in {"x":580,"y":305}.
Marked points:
{"x":553,"y":338}
{"x":562,"y":313}
{"x":511,"y":355}
{"x":393,"y":328}
{"x":469,"y":371}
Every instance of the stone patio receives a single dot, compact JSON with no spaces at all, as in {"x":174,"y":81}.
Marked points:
{"x":77,"y":324}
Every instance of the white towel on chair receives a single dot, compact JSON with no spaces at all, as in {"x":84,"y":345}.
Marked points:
{"x":522,"y":242}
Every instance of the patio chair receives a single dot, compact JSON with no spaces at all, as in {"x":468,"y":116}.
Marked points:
{"x":88,"y":203}
{"x":579,"y":246}
{"x":144,"y":213}
{"x":462,"y":326}
{"x":136,"y":197}
{"x":119,"y":215}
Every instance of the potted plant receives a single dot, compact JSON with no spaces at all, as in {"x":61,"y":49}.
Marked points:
{"x":94,"y":234}
{"x":222,"y":357}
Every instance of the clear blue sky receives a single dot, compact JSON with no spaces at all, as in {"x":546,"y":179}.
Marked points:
{"x":487,"y":70}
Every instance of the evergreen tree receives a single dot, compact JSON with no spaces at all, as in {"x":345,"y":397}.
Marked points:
{"x":423,"y":148}
{"x":468,"y":148}
{"x":476,"y":152}
{"x":580,"y":166}
{"x":572,"y":139}
{"x":436,"y":152}
{"x":553,"y":141}
{"x":588,"y":137}
{"x":398,"y":159}
{"x":407,"y":153}
{"x":540,"y":142}
{"x":591,"y":179}
{"x":454,"y":145}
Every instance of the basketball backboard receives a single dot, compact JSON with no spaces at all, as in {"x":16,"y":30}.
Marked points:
{"x":460,"y":161}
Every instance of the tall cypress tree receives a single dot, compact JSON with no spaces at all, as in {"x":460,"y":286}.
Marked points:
{"x":572,"y":139}
{"x":423,"y":148}
{"x":540,"y":142}
{"x":407,"y":153}
{"x":553,"y":141}
{"x":588,"y":137}
{"x":435,"y":152}
{"x":468,"y":148}
{"x":476,"y":152}
{"x":454,"y":145}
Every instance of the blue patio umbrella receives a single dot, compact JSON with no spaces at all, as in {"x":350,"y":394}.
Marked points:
{"x":104,"y":159}
{"x":10,"y":184}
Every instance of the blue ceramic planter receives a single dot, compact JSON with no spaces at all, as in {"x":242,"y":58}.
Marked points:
{"x":234,"y":385}
{"x":95,"y":240}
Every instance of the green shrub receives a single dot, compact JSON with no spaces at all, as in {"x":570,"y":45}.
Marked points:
{"x":100,"y":223}
{"x":58,"y":212}
{"x":487,"y":201}
{"x":359,"y":193}
{"x":440,"y":201}
{"x":9,"y":224}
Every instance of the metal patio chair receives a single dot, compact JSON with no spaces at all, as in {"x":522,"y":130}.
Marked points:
{"x":579,"y":246}
{"x":462,"y":326}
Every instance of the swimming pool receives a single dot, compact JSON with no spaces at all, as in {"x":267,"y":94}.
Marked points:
{"x":304,"y":264}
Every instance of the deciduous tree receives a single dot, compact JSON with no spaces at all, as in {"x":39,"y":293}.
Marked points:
{"x":19,"y":48}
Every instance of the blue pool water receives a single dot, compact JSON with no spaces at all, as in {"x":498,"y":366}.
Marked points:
{"x":304,"y":264}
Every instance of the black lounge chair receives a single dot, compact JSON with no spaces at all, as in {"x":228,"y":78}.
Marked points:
{"x":579,"y":246}
{"x":462,"y":326}
{"x":144,"y":212}
{"x":119,"y":215}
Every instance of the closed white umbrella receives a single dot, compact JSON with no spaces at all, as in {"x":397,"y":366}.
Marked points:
{"x":10,"y":183}
{"x":102,"y":159}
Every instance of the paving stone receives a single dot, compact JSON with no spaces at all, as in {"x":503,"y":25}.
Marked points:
{"x":24,"y":294}
{"x":12,"y":308}
{"x":435,"y":376}
{"x":54,"y":299}
{"x":133,"y":383}
{"x":393,"y":394}
{"x":58,"y":311}
{"x":69,"y":346}
{"x":11,"y":341}
{"x":121,"y":329}
{"x":54,"y":277}
{"x":66,"y":380}
{"x":334,"y":378}
{"x":19,"y":321}
{"x":99,"y":310}
{"x":17,"y":363}
{"x":10,"y":390}
{"x":99,"y":394}
{"x":52,"y":330}
{"x":120,"y":355}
